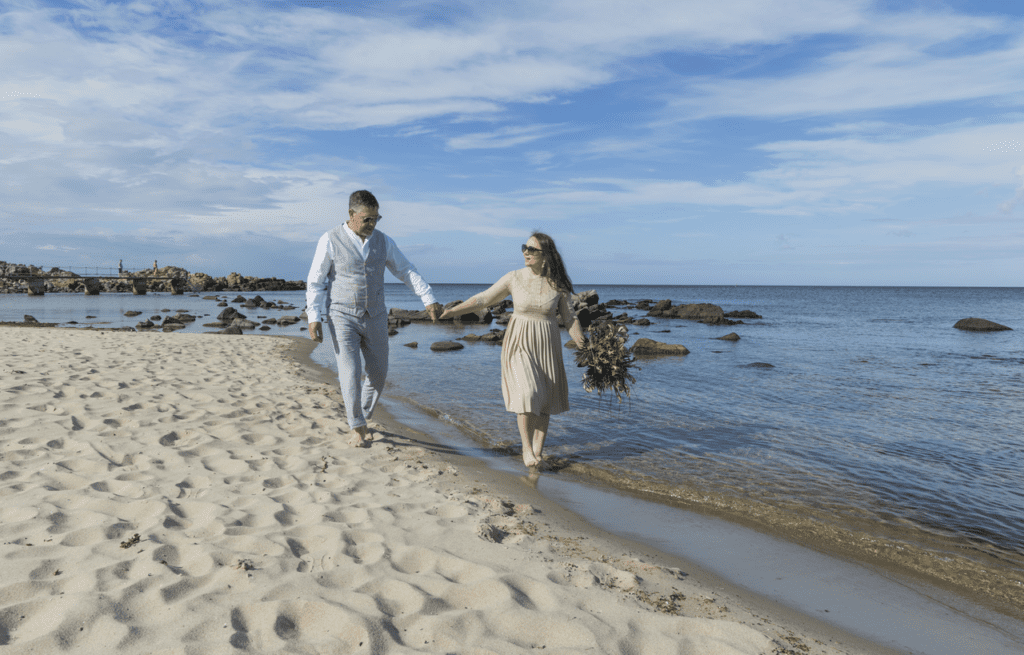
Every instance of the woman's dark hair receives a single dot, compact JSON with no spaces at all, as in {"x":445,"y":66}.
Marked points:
{"x":553,"y":268}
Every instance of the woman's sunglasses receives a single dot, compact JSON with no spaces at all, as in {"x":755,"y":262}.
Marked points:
{"x":529,"y":250}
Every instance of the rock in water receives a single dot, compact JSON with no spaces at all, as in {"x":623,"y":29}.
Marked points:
{"x":446,"y":345}
{"x":652,"y":347}
{"x":979,"y":325}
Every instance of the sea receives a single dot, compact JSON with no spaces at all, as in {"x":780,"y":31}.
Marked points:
{"x":878,"y":432}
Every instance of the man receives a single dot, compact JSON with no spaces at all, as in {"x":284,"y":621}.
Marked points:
{"x":348,"y":274}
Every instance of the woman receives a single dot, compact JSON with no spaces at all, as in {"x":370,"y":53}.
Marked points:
{"x":532,"y":374}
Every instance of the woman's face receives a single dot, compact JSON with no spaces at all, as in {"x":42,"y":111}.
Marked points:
{"x":533,"y":258}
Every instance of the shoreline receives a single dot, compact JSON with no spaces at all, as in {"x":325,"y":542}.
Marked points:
{"x":513,"y":483}
{"x":188,"y":493}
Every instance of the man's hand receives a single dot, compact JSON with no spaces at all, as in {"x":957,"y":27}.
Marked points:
{"x":316,"y":331}
{"x":433,"y":310}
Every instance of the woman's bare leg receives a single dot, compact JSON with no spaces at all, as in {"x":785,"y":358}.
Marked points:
{"x":526,"y":423}
{"x":540,"y":430}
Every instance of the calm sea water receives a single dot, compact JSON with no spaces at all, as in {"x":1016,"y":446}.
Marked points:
{"x":878,"y":428}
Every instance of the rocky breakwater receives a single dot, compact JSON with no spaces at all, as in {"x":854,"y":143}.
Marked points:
{"x":168,"y":278}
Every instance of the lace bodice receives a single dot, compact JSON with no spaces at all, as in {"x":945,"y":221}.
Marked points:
{"x":533,"y":296}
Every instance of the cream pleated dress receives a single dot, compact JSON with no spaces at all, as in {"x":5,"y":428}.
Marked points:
{"x":532,"y":372}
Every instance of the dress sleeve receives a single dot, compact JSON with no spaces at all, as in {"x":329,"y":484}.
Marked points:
{"x":565,"y":309}
{"x":498,"y":291}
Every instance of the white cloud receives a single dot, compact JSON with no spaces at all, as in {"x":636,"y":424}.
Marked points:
{"x":882,"y":73}
{"x":504,"y":137}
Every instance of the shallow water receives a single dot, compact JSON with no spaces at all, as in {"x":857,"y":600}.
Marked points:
{"x":880,"y":430}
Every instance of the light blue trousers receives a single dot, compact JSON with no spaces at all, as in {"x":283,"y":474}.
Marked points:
{"x":350,"y":337}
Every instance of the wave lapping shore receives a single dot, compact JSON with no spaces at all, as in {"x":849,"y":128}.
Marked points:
{"x":184,"y":493}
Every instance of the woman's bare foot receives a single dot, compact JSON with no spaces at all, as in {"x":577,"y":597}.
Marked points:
{"x":530,"y":460}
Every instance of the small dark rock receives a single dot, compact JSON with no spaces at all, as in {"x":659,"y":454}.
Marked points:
{"x":760,"y":365}
{"x":732,"y":336}
{"x":972,"y":324}
{"x":30,"y":319}
{"x":231,"y":329}
{"x":412,"y":344}
{"x":131,"y":313}
{"x":742,"y":313}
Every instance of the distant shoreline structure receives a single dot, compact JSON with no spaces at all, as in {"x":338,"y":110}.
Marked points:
{"x":56,"y":280}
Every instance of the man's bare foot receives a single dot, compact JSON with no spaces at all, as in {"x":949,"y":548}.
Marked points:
{"x":359,"y":438}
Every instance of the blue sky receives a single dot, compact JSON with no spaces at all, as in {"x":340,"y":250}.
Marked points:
{"x":658,"y":142}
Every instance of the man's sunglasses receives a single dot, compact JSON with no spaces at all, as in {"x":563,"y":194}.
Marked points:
{"x":529,"y":250}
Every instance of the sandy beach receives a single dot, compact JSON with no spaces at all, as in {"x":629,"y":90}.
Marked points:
{"x":189,"y":493}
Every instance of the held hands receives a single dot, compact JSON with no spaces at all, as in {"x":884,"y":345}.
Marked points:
{"x":459,"y":310}
{"x":316,"y":331}
{"x":433,"y":311}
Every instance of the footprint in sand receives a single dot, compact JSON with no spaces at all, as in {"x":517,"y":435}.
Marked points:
{"x":125,"y":489}
{"x":414,"y":560}
{"x":27,"y":621}
{"x":480,"y":595}
{"x":225,"y":465}
{"x":394,"y":597}
{"x":316,"y":546}
{"x":194,"y":486}
{"x":185,"y":559}
{"x":319,"y":627}
{"x":364,"y":546}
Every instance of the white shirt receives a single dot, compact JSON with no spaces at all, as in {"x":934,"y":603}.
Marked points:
{"x":317,"y":283}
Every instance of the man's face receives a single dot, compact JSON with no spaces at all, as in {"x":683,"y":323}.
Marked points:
{"x":363,"y":220}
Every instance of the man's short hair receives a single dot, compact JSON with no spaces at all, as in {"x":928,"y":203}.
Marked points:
{"x":362,"y":198}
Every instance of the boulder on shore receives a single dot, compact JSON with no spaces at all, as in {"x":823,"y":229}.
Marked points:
{"x":652,"y":347}
{"x":979,"y":325}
